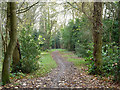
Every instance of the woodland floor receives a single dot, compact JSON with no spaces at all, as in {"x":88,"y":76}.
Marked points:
{"x":66,"y":75}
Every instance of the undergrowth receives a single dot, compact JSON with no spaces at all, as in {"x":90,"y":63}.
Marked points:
{"x":46,"y":65}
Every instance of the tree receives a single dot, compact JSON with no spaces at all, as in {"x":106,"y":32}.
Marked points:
{"x":27,"y":19}
{"x":97,"y":36}
{"x":47,"y":23}
{"x":97,"y":29}
{"x":12,"y":27}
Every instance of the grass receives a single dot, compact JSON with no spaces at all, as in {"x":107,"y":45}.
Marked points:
{"x":78,"y":62}
{"x":57,"y":50}
{"x":47,"y":64}
{"x":71,"y":57}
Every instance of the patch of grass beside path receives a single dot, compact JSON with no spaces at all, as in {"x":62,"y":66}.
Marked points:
{"x":47,"y":64}
{"x":77,"y":62}
{"x":70,"y":56}
{"x":57,"y":50}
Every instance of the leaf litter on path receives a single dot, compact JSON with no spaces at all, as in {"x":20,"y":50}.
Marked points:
{"x":66,"y":75}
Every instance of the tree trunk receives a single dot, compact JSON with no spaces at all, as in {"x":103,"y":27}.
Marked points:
{"x":97,"y":36}
{"x":49,"y":31}
{"x":16,"y":57}
{"x":12,"y":27}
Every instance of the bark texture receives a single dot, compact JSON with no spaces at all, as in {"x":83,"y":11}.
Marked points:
{"x":12,"y":27}
{"x":16,"y":58}
{"x":97,"y":36}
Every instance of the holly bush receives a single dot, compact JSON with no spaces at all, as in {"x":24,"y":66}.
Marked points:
{"x":30,"y":50}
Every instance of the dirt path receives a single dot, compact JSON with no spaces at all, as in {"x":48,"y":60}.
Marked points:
{"x":60,"y":75}
{"x":59,"y":71}
{"x":65,"y":75}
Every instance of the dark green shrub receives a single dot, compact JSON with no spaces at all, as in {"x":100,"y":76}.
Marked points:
{"x":117,"y":71}
{"x":17,"y":75}
{"x":81,"y":50}
{"x":110,"y":55}
{"x":110,"y":62}
{"x":30,"y":50}
{"x":91,"y":66}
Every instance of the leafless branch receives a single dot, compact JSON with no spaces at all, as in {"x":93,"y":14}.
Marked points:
{"x":90,"y":18}
{"x":21,"y":5}
{"x":73,"y":6}
{"x":26,"y":9}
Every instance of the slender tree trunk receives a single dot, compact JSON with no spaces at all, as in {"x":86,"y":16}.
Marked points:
{"x":73,"y":16}
{"x":12,"y":26}
{"x":105,"y":11}
{"x":97,"y":36}
{"x":48,"y":29}
{"x":110,"y":38}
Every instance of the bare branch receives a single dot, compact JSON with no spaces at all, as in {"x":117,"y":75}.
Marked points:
{"x":21,"y":5}
{"x":90,"y":18}
{"x":26,"y":9}
{"x":73,"y":6}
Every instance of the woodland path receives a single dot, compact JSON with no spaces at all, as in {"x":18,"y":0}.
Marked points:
{"x":66,"y":75}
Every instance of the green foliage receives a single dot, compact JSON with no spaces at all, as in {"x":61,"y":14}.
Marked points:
{"x":69,"y":36}
{"x":111,"y":29}
{"x":91,"y":66}
{"x":81,"y":50}
{"x":18,"y":75}
{"x":30,"y":50}
{"x":110,"y":65}
{"x":76,"y":35}
{"x":110,"y":54}
{"x":57,"y":50}
{"x":47,"y":64}
{"x":79,"y":62}
{"x":84,"y":37}
{"x":55,"y":40}
{"x":110,"y":50}
{"x":117,"y":70}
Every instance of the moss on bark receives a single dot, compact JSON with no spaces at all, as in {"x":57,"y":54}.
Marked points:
{"x":12,"y":27}
{"x":97,"y":36}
